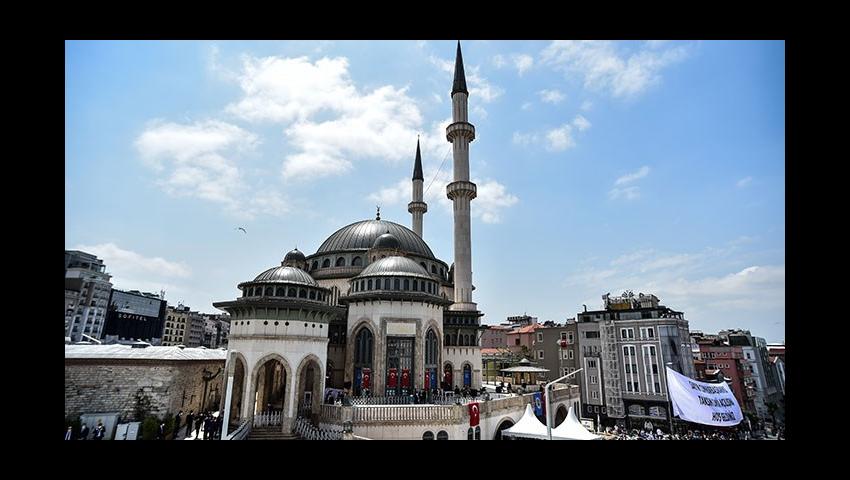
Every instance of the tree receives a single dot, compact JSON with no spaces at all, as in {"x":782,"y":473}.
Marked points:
{"x":142,"y":406}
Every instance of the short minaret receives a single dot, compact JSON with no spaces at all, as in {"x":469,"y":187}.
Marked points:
{"x":417,"y":207}
{"x":461,"y":191}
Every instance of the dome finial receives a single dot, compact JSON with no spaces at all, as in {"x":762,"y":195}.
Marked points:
{"x":378,"y":216}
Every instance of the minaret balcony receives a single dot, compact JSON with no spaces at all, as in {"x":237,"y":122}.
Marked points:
{"x":464,"y":129}
{"x":461,"y":188}
{"x":417,"y":207}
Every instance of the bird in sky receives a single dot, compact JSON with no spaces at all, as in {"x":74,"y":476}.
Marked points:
{"x":240,"y":228}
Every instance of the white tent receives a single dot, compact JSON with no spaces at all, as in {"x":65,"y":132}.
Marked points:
{"x":572,"y":429}
{"x":527,"y":427}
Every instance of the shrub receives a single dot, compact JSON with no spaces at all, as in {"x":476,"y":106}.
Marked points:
{"x":169,"y":424}
{"x":149,"y":428}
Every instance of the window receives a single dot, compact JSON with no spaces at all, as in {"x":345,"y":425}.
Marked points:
{"x":591,"y":334}
{"x":570,"y":355}
{"x":415,"y":285}
{"x":302,"y":293}
{"x":433,"y":269}
{"x":540,"y":354}
{"x":539,"y":337}
{"x":357,"y":262}
{"x":593,"y":379}
{"x":315,"y":265}
{"x":326,"y":263}
{"x":516,"y":341}
{"x":594,"y":395}
{"x":369,"y":284}
{"x":563,"y":335}
{"x":428,"y":436}
{"x":396,"y":286}
{"x":340,"y":262}
{"x":406,"y":284}
{"x":591,"y":363}
{"x":377,"y":284}
{"x":442,"y":435}
{"x":627,"y":333}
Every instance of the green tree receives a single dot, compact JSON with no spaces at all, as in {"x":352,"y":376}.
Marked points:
{"x":149,"y":427}
{"x":143,"y":405}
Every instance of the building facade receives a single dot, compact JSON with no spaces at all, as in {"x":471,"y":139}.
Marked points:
{"x":556,"y":349}
{"x":87,"y":291}
{"x":624,"y":351}
{"x":134,"y":315}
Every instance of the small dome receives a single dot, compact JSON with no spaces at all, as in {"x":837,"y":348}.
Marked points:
{"x":286,"y":274}
{"x":295,"y":256}
{"x":387,"y":240}
{"x":400,"y":266}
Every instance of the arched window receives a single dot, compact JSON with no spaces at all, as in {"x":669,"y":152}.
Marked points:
{"x":428,"y":436}
{"x":269,"y":291}
{"x":363,"y":345}
{"x":448,"y":339}
{"x":315,"y":265}
{"x":433,"y":269}
{"x":362,"y":285}
{"x":397,"y":284}
{"x":415,"y":285}
{"x":478,"y":433}
{"x":467,"y":375}
{"x":406,"y":284}
{"x":326,"y":263}
{"x":378,"y":284}
{"x":340,"y":262}
{"x":369,"y":284}
{"x":442,"y":435}
{"x":302,"y":293}
{"x":357,"y":262}
{"x":441,"y":273}
{"x":431,"y":349}
{"x":258,"y":291}
{"x":291,"y":292}
{"x":278,"y":292}
{"x":312,"y":294}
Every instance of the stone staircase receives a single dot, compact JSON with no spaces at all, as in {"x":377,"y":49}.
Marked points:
{"x":271,"y":433}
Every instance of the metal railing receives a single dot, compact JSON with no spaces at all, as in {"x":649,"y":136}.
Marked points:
{"x":241,"y":433}
{"x":307,"y":431}
{"x":268,"y":419}
{"x":407,"y":413}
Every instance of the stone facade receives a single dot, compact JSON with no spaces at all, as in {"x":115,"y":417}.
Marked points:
{"x":111,"y":385}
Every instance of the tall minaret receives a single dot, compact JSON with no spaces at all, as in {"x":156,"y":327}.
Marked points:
{"x":461,"y":191}
{"x":417,"y":207}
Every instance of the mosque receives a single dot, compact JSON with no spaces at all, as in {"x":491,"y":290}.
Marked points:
{"x":373,"y":311}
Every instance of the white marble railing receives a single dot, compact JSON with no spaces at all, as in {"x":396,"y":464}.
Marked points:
{"x":331,"y":413}
{"x":305,"y":430}
{"x":267,"y":419}
{"x":406,"y":413}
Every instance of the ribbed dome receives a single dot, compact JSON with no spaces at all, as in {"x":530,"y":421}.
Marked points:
{"x":295,"y":256}
{"x":362,"y":235}
{"x":286,"y":275}
{"x":397,"y":266}
{"x":387,"y":240}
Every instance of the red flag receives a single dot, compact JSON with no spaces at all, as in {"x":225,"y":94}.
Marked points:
{"x":474,"y":414}
{"x":428,"y":379}
{"x":405,"y":377}
{"x":393,"y":378}
{"x":366,"y":374}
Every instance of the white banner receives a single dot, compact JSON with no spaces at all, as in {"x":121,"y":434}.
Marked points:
{"x":701,"y":402}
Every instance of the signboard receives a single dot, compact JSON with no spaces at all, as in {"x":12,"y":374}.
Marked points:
{"x":401,"y":328}
{"x":701,"y":402}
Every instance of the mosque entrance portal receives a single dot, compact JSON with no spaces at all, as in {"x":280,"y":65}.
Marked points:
{"x":400,"y":372}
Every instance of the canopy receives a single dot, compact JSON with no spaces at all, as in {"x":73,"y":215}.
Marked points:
{"x":572,"y":429}
{"x":528,"y":427}
{"x":525,"y":370}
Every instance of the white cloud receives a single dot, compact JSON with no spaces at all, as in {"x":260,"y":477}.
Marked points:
{"x":199,"y":160}
{"x":525,"y":138}
{"x":551,"y":96}
{"x":631,"y":177}
{"x":744,"y":182}
{"x":605,"y":67}
{"x":629,"y":193}
{"x":526,"y":106}
{"x":522,"y":62}
{"x":437,"y":97}
{"x":560,"y":139}
{"x":126,"y":265}
{"x":581,"y":123}
{"x":331,"y":123}
{"x":586,"y":105}
{"x":492,"y":199}
{"x":421,"y":43}
{"x":479,"y":112}
{"x":498,"y":61}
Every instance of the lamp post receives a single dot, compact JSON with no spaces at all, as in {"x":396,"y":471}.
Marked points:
{"x":549,"y":410}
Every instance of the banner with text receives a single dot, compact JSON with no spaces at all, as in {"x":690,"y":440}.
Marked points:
{"x":701,"y":402}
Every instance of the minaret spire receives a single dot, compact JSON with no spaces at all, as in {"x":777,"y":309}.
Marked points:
{"x":460,"y":78}
{"x":417,"y":207}
{"x":461,"y":191}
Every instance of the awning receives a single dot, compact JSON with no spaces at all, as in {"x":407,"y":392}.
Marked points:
{"x":527,"y":427}
{"x":572,"y":429}
{"x":524,"y":370}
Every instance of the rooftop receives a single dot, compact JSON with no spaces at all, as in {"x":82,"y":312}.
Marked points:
{"x":147,"y":353}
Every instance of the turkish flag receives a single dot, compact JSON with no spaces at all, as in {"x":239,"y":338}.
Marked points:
{"x":366,"y":374}
{"x":405,"y":377}
{"x":393,"y":378}
{"x":427,"y":379}
{"x":474,"y":414}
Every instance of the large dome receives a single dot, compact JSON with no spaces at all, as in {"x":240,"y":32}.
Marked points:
{"x":286,"y":275}
{"x":362,"y":235}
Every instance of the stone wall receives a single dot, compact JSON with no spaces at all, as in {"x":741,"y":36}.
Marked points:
{"x":101,"y":386}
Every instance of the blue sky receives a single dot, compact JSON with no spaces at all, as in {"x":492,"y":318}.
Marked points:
{"x":657,"y":167}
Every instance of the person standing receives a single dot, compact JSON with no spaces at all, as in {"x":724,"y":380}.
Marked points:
{"x":160,"y":433}
{"x":99,"y":431}
{"x":69,"y":435}
{"x":198,"y":422}
{"x":207,"y":426}
{"x":84,"y":432}
{"x":177,"y":419}
{"x":189,"y":419}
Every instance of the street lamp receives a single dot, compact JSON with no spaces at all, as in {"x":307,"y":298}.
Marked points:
{"x":548,"y":409}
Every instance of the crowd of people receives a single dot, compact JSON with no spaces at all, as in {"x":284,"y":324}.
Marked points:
{"x":97,"y":434}
{"x":210,"y":422}
{"x":636,"y":434}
